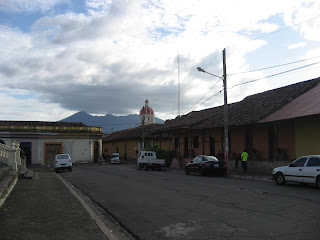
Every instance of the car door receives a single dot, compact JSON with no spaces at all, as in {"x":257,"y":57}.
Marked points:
{"x":294,"y":172}
{"x":193,"y":166}
{"x":312,"y":169}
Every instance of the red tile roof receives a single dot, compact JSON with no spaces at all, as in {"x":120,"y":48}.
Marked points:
{"x":250,"y":110}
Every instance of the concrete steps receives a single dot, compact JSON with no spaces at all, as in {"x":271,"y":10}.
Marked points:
{"x":24,"y":173}
{"x":8,"y":179}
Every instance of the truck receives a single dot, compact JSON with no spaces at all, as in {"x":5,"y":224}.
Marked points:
{"x":148,"y":160}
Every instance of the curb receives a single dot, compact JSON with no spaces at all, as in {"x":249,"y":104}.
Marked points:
{"x":105,"y":230}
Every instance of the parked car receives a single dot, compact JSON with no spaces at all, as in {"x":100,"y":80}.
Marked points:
{"x":115,"y":158}
{"x":206,"y":164}
{"x":62,"y":161}
{"x":305,"y":169}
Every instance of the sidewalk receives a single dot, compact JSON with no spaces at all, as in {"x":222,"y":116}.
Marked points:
{"x":44,"y":208}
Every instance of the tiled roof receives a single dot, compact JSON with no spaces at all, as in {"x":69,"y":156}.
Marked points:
{"x":40,"y":123}
{"x":133,"y":133}
{"x":39,"y":126}
{"x":250,"y":110}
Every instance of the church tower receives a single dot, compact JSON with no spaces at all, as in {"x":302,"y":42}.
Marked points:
{"x":147,"y":114}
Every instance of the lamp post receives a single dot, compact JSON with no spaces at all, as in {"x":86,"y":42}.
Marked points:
{"x":226,"y":131}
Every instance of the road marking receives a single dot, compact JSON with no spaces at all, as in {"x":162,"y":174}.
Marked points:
{"x":106,"y":231}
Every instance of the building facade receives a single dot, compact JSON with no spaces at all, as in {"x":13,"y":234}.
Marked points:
{"x":41,"y":141}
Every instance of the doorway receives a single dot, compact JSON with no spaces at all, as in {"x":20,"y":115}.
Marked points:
{"x":212,"y":145}
{"x":26,"y":150}
{"x":186,"y":147}
{"x":50,"y":151}
{"x":96,"y":151}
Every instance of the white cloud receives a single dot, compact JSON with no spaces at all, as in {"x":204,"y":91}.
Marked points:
{"x":28,"y":6}
{"x":122,"y":52}
{"x":297,"y":45}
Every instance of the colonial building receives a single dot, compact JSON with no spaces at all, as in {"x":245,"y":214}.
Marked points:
{"x":146,"y":114}
{"x":128,"y":142}
{"x":280,"y":124}
{"x":276,"y":125}
{"x":41,"y":141}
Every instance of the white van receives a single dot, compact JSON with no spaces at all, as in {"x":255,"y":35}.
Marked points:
{"x":115,"y":158}
{"x":62,"y":162}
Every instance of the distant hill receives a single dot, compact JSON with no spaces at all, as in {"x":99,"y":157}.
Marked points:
{"x":109,"y":123}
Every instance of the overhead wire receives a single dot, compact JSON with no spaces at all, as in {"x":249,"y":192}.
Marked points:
{"x":276,"y":74}
{"x":273,"y":75}
{"x":204,"y":95}
{"x":187,"y":82}
{"x":216,"y":94}
{"x":280,"y":65}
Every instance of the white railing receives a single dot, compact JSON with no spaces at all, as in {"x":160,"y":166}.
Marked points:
{"x":10,"y":155}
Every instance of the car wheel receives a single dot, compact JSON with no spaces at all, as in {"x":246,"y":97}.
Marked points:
{"x":139,"y":166}
{"x":145,"y":167}
{"x":318,"y":181}
{"x":70,"y":169}
{"x":280,"y":179}
{"x":187,"y":170}
{"x":202,"y":172}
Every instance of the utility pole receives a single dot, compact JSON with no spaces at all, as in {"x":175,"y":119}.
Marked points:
{"x":226,"y":122}
{"x":143,"y":118}
{"x":178,"y":84}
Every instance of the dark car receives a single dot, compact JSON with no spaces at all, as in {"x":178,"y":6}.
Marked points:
{"x":206,"y":164}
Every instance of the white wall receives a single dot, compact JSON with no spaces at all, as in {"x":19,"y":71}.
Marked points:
{"x":80,"y":150}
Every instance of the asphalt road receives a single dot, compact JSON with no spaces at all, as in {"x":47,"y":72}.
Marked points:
{"x":172,"y":205}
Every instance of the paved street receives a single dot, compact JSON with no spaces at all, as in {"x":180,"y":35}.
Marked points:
{"x":172,"y":205}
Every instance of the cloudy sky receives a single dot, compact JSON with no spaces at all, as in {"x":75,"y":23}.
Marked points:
{"x":58,"y":57}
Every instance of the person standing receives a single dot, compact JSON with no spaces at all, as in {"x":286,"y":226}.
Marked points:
{"x":244,"y":158}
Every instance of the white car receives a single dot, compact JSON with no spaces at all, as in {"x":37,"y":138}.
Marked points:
{"x":305,"y":169}
{"x":115,"y":158}
{"x":62,"y":162}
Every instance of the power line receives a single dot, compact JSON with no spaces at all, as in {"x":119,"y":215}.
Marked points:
{"x":204,"y":94}
{"x":280,"y":65}
{"x":155,"y":104}
{"x":282,"y":29}
{"x":273,"y":75}
{"x":216,"y":94}
{"x":276,"y":31}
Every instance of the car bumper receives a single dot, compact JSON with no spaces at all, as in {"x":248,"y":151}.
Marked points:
{"x":115,"y":161}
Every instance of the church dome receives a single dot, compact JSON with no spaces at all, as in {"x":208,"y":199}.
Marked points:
{"x":146,"y":109}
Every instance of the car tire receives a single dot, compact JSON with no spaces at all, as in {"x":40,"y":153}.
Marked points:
{"x":139,"y":166}
{"x":279,"y":178}
{"x":187,"y":170}
{"x":70,"y":169}
{"x":146,"y":167}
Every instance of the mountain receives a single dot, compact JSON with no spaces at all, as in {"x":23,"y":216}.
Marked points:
{"x":109,"y":122}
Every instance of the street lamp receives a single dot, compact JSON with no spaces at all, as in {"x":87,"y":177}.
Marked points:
{"x":226,"y":131}
{"x":202,"y":70}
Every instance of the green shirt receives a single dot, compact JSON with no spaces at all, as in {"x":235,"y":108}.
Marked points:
{"x":245,"y":156}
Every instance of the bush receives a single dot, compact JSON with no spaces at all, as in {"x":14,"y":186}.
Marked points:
{"x":161,"y":154}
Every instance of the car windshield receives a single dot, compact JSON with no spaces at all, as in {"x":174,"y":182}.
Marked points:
{"x":211,"y":158}
{"x":114,"y":155}
{"x":63,"y":156}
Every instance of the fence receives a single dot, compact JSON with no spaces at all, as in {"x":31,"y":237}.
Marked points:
{"x":10,"y":155}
